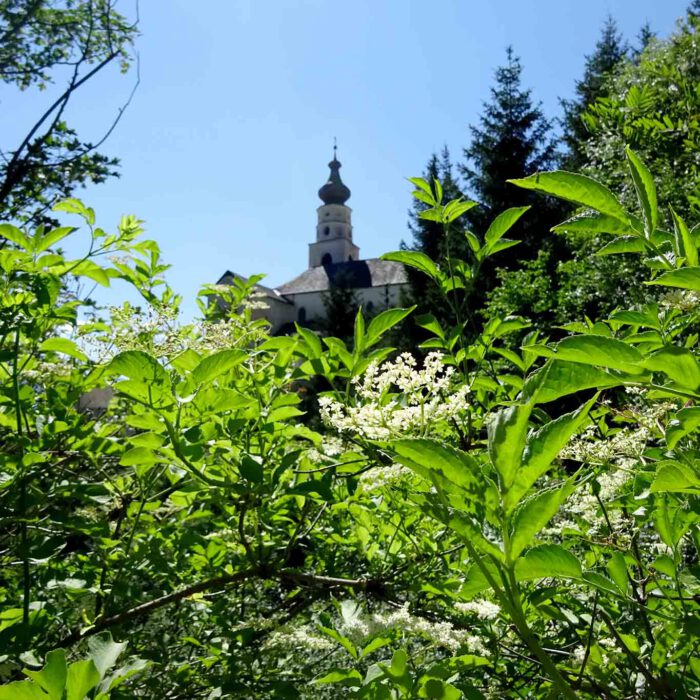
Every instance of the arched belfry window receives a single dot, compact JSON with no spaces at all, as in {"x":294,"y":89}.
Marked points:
{"x":327,"y":259}
{"x":326,"y":230}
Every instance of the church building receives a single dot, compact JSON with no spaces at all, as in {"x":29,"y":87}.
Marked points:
{"x":334,"y":262}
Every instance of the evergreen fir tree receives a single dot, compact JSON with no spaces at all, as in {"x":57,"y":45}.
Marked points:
{"x":610,"y":52}
{"x":513,"y":140}
{"x":341,"y":304}
{"x":644,"y":37}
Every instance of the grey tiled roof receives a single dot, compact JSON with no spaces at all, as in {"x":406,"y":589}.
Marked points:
{"x":357,"y":274}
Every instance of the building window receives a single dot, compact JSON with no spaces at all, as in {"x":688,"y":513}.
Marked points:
{"x":326,"y":230}
{"x":349,"y":257}
{"x":301,"y":315}
{"x":327,"y":259}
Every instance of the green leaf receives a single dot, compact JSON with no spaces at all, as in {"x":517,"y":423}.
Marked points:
{"x":593,"y":224}
{"x":342,"y":640}
{"x":507,"y":431}
{"x":312,"y":341}
{"x":381,"y":323}
{"x":683,"y":236}
{"x":646,"y":191}
{"x":14,"y":235}
{"x":346,"y":677}
{"x":676,"y":477}
{"x":547,"y":561}
{"x":678,"y":363}
{"x":251,"y":469}
{"x":421,"y":184}
{"x":104,"y":652}
{"x":52,"y":678}
{"x":601,"y":351}
{"x":64,"y":346}
{"x":502,"y":224}
{"x":21,"y":690}
{"x":456,"y":208}
{"x":359,"y":333}
{"x":217,"y":364}
{"x":686,"y":421}
{"x":617,"y":568}
{"x":670,"y":520}
{"x":417,"y":260}
{"x":535,"y":513}
{"x":91,"y":270}
{"x":579,"y":189}
{"x":52,"y":237}
{"x":543,"y":447}
{"x":431,"y":459}
{"x":684,"y":278}
{"x":558,"y":378}
{"x":138,"y":365}
{"x":624,"y":244}
{"x":139,"y":457}
{"x":82,"y":678}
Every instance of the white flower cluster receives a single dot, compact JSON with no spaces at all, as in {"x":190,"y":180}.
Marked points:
{"x":483,"y":609}
{"x":360,"y":627}
{"x":158,"y":331}
{"x":293,"y":639}
{"x":398,"y":399}
{"x":378,"y":478}
{"x":683,"y":299}
{"x":590,"y":450}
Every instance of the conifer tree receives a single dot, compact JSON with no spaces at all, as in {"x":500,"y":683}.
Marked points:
{"x":513,"y":140}
{"x":610,"y":52}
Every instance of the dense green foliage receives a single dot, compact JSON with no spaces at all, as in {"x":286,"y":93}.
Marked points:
{"x":47,"y":43}
{"x":487,"y":522}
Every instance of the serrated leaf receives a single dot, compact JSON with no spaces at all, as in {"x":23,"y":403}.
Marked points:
{"x":678,"y":363}
{"x":543,"y":447}
{"x":502,"y":224}
{"x":507,"y":432}
{"x":417,"y":260}
{"x":575,"y":188}
{"x":683,"y":278}
{"x":547,"y":561}
{"x":600,"y":351}
{"x":381,"y":323}
{"x":64,"y":346}
{"x":217,"y":364}
{"x":646,"y":191}
{"x":535,"y":513}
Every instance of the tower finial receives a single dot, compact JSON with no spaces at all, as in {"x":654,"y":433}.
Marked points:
{"x":335,"y":148}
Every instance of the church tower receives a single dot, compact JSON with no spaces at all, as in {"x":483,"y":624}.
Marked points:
{"x":334,"y":229}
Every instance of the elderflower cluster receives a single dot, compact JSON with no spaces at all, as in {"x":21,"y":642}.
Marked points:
{"x":483,"y":609}
{"x":359,"y":627}
{"x":294,"y":638}
{"x":378,"y":478}
{"x":683,"y":299}
{"x":398,"y":399}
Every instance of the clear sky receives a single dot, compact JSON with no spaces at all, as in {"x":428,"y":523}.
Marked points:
{"x":227,"y":139}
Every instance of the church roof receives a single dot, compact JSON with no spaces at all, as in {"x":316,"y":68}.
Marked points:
{"x":357,"y":274}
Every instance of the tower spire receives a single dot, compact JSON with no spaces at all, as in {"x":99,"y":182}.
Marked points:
{"x":334,"y":191}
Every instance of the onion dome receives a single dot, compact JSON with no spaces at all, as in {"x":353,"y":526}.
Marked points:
{"x":334,"y":191}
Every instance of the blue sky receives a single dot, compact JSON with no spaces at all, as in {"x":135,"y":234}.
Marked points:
{"x":227,"y":139}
